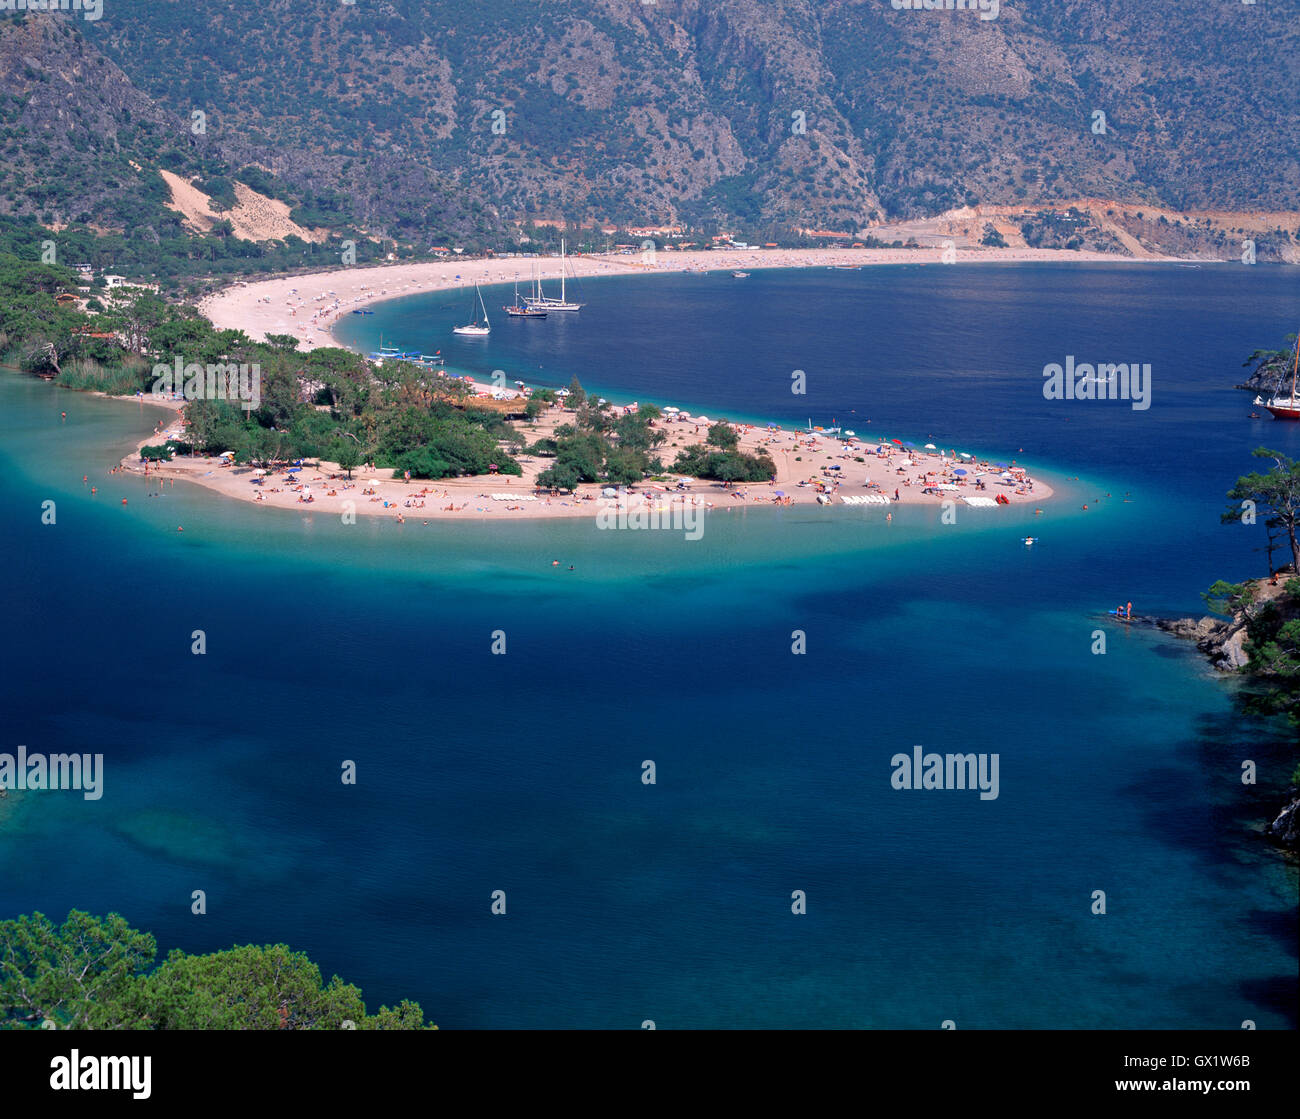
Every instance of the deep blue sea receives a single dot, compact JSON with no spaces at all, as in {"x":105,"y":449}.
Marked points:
{"x":672,"y":902}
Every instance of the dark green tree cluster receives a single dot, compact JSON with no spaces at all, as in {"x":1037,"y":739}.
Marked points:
{"x":331,"y":404}
{"x":718,"y":458}
{"x":600,"y":446}
{"x":1276,"y":494}
{"x":93,"y":973}
{"x":326,"y":404}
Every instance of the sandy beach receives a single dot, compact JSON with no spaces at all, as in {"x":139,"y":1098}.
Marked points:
{"x":812,"y":467}
{"x":308,"y":306}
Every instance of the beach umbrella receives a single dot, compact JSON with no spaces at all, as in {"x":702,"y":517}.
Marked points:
{"x":854,"y":434}
{"x":930,"y":447}
{"x":671,"y":409}
{"x":609,"y":491}
{"x":959,"y":470}
{"x":779,"y":493}
{"x":898,"y":441}
{"x":964,"y":454}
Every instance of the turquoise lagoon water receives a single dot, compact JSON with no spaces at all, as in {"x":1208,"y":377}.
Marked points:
{"x":521,"y":772}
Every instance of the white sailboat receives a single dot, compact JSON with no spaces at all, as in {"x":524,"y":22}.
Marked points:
{"x":541,"y":302}
{"x":1286,"y":407}
{"x":476,"y":328}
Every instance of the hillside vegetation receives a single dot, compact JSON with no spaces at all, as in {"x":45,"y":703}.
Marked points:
{"x":419,"y":121}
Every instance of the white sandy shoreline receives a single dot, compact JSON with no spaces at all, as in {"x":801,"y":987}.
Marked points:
{"x":308,"y":306}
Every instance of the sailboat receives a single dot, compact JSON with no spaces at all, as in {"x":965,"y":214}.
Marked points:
{"x":474,"y":328}
{"x":521,"y":310}
{"x":1287,"y":407}
{"x":542,"y":302}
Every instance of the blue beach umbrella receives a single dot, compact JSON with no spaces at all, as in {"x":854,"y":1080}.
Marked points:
{"x":959,"y":471}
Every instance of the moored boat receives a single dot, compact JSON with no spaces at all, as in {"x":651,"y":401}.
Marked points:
{"x":541,"y":302}
{"x":475,"y":328}
{"x":521,"y":310}
{"x":1287,"y":407}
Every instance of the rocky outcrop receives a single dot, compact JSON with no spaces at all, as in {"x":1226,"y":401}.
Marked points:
{"x":1286,"y":828}
{"x":1222,"y":641}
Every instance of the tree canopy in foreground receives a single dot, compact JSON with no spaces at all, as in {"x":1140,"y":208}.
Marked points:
{"x":95,"y":973}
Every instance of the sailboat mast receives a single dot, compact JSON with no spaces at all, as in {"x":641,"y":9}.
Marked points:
{"x":1295,"y":366}
{"x":562,"y":298}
